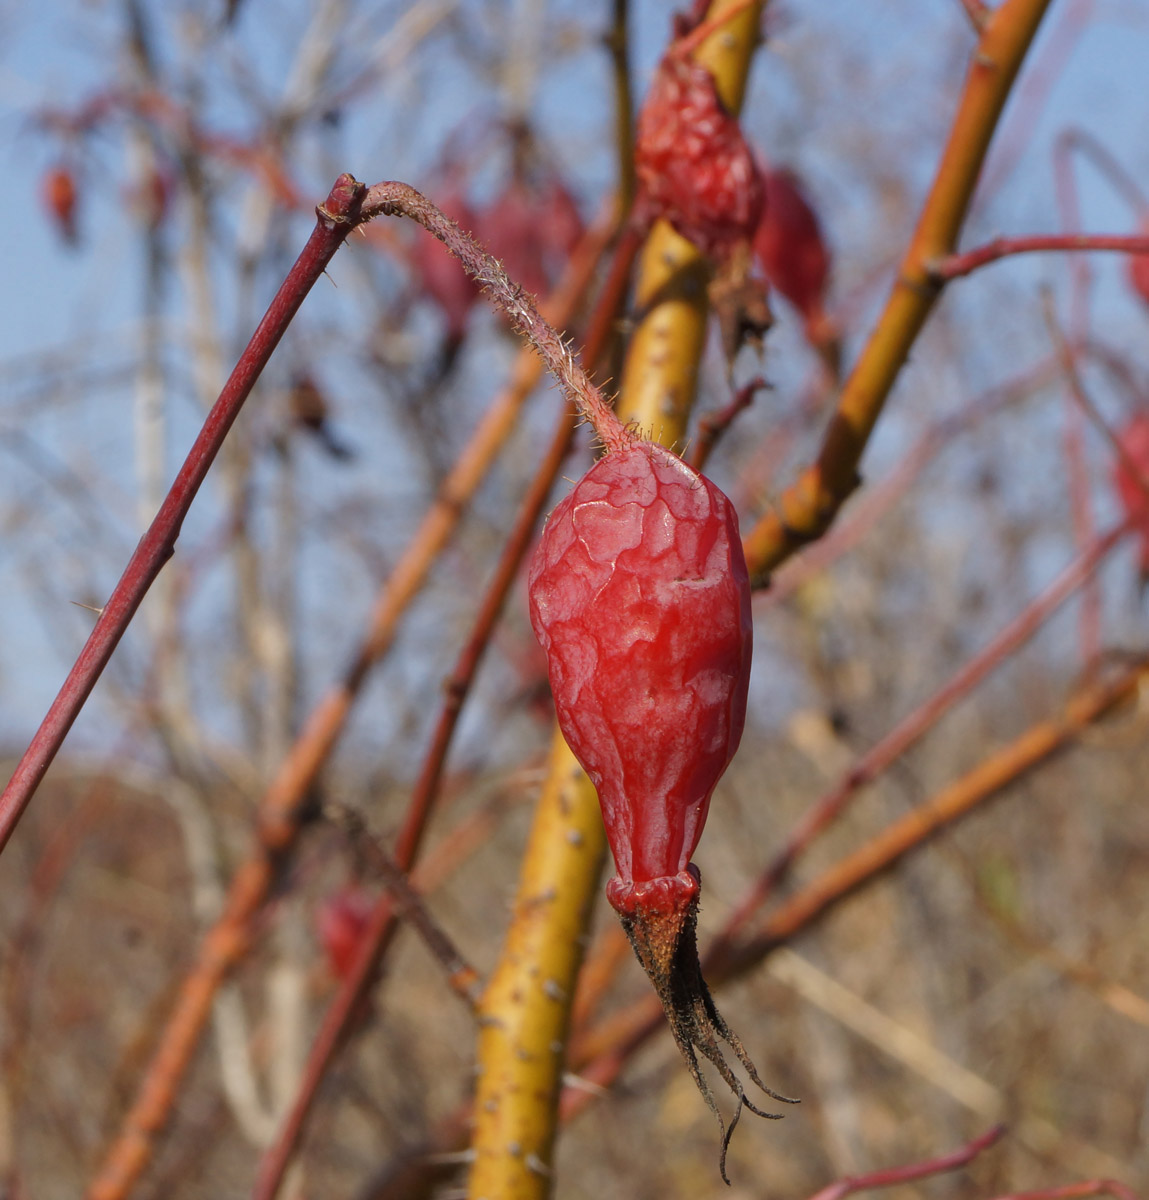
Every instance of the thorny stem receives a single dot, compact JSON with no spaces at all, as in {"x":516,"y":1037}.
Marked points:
{"x":281,"y":807}
{"x":339,"y":213}
{"x":400,"y":199}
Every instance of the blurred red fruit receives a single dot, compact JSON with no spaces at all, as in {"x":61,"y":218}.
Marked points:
{"x":1134,"y":439}
{"x":440,"y":275}
{"x":150,"y":198}
{"x":532,"y":227}
{"x":789,"y":243}
{"x":1139,"y":269}
{"x":694,"y":166}
{"x":794,"y":256}
{"x":59,"y":195}
{"x":341,"y":921}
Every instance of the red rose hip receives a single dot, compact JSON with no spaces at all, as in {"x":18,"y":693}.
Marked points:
{"x":641,"y":599}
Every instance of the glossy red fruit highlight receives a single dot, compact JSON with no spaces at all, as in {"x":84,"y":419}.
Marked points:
{"x":693,"y":163}
{"x":60,"y":198}
{"x":1131,"y":491}
{"x":640,"y":597}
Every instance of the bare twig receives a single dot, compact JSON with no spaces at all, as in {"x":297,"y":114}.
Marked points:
{"x":714,"y":425}
{"x":280,"y":809}
{"x":954,"y":266}
{"x":808,"y":507}
{"x":337,"y":216}
{"x":892,"y":1176}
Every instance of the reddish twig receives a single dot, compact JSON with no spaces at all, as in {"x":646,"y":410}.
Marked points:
{"x":281,"y":806}
{"x":953,"y":266}
{"x":1074,"y":1191}
{"x":713,"y":426}
{"x":337,"y":216}
{"x":887,"y":751}
{"x":377,"y":937}
{"x":462,"y":978}
{"x":892,"y":1176}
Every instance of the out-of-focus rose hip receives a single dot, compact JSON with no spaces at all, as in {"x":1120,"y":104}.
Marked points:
{"x":793,"y":253}
{"x":694,"y":166}
{"x":340,"y":924}
{"x":60,"y":197}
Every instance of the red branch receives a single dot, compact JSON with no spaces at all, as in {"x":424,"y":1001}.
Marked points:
{"x":892,"y":1176}
{"x":952,"y":266}
{"x":338,"y":215}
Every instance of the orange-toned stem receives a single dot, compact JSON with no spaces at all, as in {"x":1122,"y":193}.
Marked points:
{"x":280,"y":809}
{"x":601,"y":1052}
{"x":807,"y":508}
{"x":908,"y":731}
{"x":524,"y":1023}
{"x":377,"y":938}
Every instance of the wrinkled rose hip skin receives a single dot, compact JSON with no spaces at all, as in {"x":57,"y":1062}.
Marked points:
{"x":641,"y":600}
{"x":640,"y":597}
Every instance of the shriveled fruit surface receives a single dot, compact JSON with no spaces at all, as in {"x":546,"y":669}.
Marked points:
{"x":693,"y":163}
{"x":640,"y":597}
